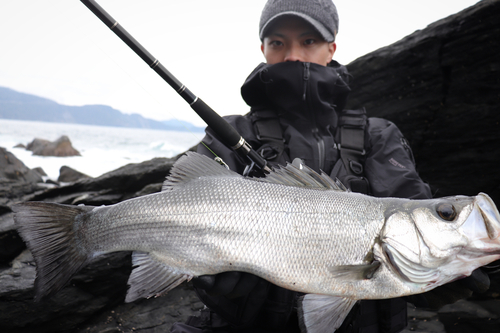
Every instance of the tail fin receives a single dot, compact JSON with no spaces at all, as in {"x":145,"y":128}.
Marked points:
{"x":47,"y":229}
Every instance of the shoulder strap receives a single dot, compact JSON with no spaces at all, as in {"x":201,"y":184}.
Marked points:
{"x":268,"y":130}
{"x":352,"y":148}
{"x":352,"y":138}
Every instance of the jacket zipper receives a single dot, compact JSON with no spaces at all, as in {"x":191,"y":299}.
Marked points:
{"x":315,"y":131}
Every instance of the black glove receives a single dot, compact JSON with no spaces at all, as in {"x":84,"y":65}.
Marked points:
{"x":227,"y":284}
{"x":237,"y":297}
{"x":478,"y":281}
{"x":451,"y":292}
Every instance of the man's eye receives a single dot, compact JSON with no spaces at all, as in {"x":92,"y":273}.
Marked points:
{"x":310,"y":41}
{"x":276,"y":43}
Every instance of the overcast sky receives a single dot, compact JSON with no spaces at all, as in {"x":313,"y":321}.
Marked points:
{"x":59,"y":50}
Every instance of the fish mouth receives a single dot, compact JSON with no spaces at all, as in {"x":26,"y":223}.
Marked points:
{"x":482,"y":227}
{"x":490,"y":214}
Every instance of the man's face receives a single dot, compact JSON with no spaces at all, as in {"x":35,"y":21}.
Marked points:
{"x":293,"y":39}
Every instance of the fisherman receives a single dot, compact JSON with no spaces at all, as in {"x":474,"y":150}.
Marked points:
{"x":297,"y":101}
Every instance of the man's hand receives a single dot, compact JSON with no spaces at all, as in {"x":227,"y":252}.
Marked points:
{"x":449,"y":293}
{"x":235,"y":296}
{"x":227,"y":284}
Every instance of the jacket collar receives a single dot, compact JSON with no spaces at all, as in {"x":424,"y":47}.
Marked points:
{"x":298,"y":91}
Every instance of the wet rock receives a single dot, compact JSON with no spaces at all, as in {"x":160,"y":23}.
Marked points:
{"x":40,"y":171}
{"x":149,"y":316}
{"x":98,"y":286}
{"x":16,"y":179}
{"x":11,"y":245}
{"x":112,"y":187}
{"x":471,"y":317}
{"x":149,"y":189}
{"x":440,"y":85}
{"x":424,"y":321}
{"x":11,"y":168}
{"x":61,"y":147}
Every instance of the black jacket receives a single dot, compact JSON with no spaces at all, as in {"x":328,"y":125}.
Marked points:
{"x":307,"y":100}
{"x":308,"y":105}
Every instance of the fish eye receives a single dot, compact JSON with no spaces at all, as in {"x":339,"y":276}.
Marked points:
{"x":446,"y":211}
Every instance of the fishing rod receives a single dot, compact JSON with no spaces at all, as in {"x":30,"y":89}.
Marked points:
{"x":229,"y":136}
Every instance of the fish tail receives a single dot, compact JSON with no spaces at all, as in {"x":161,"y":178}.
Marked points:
{"x":47,"y":229}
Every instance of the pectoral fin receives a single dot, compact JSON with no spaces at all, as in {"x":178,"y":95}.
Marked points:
{"x":320,"y":313}
{"x":355,"y":272}
{"x":151,"y":277}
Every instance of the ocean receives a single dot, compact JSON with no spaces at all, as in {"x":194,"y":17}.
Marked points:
{"x":102,"y":148}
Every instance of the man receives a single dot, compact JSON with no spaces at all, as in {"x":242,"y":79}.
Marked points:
{"x":297,"y":103}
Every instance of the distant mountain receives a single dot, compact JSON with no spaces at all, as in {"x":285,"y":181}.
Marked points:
{"x":21,"y":106}
{"x":181,"y":126}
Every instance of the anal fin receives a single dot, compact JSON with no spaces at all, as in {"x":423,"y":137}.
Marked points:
{"x":150,"y":277}
{"x":321,"y":313}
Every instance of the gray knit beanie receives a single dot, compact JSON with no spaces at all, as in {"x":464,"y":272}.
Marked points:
{"x":321,"y":14}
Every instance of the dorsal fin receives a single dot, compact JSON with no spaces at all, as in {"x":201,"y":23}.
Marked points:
{"x":192,"y":166}
{"x":299,"y":174}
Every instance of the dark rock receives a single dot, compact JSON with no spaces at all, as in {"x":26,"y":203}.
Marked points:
{"x":149,"y":189}
{"x":61,"y":147}
{"x":67,"y":174}
{"x":11,"y":245}
{"x":11,"y":168}
{"x":420,"y":320}
{"x":471,"y":317}
{"x":149,"y":316}
{"x":101,"y":284}
{"x":112,"y":187}
{"x":441,"y":86}
{"x":11,"y":190}
{"x":20,"y":145}
{"x":40,"y":171}
{"x":16,"y":179}
{"x":52,"y":182}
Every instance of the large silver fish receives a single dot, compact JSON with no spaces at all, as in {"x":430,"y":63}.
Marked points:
{"x":295,"y":228}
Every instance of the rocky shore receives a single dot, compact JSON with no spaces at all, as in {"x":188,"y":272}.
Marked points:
{"x":440,"y":85}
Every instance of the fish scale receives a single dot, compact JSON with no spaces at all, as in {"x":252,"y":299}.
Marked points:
{"x":302,"y":223}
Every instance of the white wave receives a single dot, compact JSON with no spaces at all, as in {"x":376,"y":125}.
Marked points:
{"x":102,"y":148}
